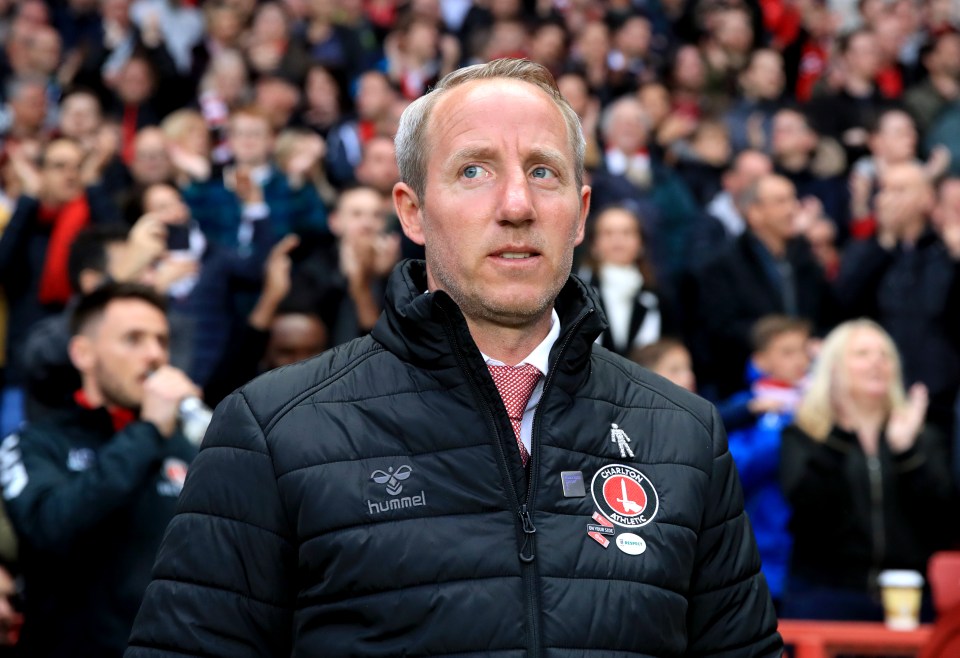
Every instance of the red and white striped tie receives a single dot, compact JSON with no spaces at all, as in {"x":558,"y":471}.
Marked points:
{"x":515,"y":386}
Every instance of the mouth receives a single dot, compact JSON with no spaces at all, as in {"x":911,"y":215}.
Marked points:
{"x":519,"y":253}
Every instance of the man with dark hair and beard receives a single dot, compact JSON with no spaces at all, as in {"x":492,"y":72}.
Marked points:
{"x":90,"y":488}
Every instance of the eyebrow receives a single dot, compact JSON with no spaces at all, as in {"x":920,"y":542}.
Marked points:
{"x":537,"y":154}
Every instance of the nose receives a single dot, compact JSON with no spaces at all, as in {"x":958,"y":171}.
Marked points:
{"x":155,"y":352}
{"x":516,"y":201}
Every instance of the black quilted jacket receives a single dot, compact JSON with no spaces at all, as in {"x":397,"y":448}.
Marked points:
{"x":369,"y":503}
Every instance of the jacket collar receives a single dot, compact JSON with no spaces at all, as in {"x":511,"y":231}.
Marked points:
{"x":430,"y":332}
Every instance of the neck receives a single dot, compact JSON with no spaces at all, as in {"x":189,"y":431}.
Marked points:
{"x":911,"y":232}
{"x":865,"y":416}
{"x":946,"y":85}
{"x":508,"y":344}
{"x":859,"y":87}
{"x":794,"y":161}
{"x":774,"y":244}
{"x":92,"y":392}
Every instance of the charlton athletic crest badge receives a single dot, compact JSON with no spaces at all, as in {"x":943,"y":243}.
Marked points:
{"x":624,"y":495}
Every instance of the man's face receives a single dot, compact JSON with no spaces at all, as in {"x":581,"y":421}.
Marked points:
{"x":150,"y":161}
{"x":947,"y":55}
{"x":136,"y":82}
{"x":79,"y":116}
{"x":250,"y":140}
{"x":775,"y":208}
{"x":791,"y":135}
{"x":359,"y":213}
{"x":502,"y":211}
{"x":747,"y":168}
{"x":905,"y":196}
{"x":863,"y":56}
{"x":30,"y":107}
{"x":575,"y":90}
{"x":785,"y":358}
{"x":378,"y":168}
{"x":765,"y":75}
{"x":164,"y":198}
{"x":627,"y":129}
{"x":117,"y":353}
{"x":45,"y":51}
{"x":294,"y":337}
{"x":633,"y":39}
{"x":374,"y":96}
{"x":896,"y":140}
{"x":60,"y":174}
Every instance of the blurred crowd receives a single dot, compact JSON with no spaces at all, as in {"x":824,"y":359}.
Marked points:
{"x":764,"y":173}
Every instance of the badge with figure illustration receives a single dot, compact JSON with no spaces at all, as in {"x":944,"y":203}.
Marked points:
{"x":625,"y":496}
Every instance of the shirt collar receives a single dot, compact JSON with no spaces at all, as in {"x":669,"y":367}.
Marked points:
{"x":539,"y":358}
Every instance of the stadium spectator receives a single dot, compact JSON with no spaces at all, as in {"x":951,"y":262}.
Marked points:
{"x":859,"y":447}
{"x":768,"y":270}
{"x":621,"y":271}
{"x":51,"y":210}
{"x":908,"y":280}
{"x":669,"y":358}
{"x":926,"y":99}
{"x":343,"y":280}
{"x":629,"y":172}
{"x":252,"y":189}
{"x":277,"y":332}
{"x":750,"y":120}
{"x":91,"y":488}
{"x":781,"y":360}
{"x":796,"y":150}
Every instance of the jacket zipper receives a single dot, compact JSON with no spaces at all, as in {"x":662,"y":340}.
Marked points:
{"x":527,"y":552}
{"x":876,"y":514}
{"x":531,"y":574}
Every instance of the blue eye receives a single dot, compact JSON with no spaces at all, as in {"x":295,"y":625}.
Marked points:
{"x":543,"y":172}
{"x":472,"y":171}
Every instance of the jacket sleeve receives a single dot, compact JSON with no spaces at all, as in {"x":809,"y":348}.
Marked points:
{"x":730,"y":611}
{"x":224,"y":580}
{"x":12,"y":252}
{"x":923,"y":477}
{"x":49,"y":506}
{"x":756,"y":452}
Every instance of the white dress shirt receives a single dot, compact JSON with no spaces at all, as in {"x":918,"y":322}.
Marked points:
{"x":539,"y":358}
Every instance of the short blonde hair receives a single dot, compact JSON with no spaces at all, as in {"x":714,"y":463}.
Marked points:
{"x":177,"y":124}
{"x":411,"y":143}
{"x":816,"y":414}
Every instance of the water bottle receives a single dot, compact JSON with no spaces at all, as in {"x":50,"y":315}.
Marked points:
{"x":194,"y":418}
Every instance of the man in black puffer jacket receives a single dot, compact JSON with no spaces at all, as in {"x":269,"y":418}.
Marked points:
{"x":91,"y":485}
{"x":380,"y":501}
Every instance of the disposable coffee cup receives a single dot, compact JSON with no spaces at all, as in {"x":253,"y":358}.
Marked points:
{"x":901,"y":590}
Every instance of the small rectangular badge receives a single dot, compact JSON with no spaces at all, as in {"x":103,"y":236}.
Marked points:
{"x":600,"y":539}
{"x":572,"y":484}
{"x":601,"y":529}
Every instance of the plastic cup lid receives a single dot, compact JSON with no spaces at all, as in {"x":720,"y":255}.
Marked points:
{"x":900,"y":578}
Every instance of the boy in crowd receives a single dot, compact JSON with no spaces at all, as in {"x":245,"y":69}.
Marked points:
{"x":781,"y":359}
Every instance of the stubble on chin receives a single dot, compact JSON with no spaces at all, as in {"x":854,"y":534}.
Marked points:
{"x":487,"y":307}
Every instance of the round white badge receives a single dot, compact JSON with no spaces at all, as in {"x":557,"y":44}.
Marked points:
{"x":631,"y":544}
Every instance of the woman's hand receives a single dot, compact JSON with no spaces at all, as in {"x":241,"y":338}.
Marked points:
{"x":904,"y":424}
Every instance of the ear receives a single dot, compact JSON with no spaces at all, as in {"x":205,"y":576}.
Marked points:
{"x":80,"y":349}
{"x":585,"y":193}
{"x":407,"y":205}
{"x":89,"y":280}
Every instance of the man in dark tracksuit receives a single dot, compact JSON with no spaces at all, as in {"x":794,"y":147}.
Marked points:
{"x":90,"y":488}
{"x":389,"y":498}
